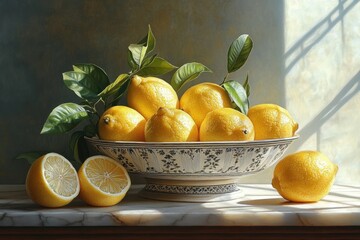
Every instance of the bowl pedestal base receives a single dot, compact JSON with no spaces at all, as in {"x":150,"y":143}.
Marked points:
{"x":191,"y":190}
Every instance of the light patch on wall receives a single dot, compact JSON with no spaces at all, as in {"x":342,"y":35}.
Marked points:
{"x":322,"y":80}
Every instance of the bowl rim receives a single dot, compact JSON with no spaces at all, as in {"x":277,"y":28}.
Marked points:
{"x":197,"y":144}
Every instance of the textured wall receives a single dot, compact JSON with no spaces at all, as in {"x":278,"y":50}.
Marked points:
{"x":41,"y":39}
{"x":305,"y":57}
{"x":322,"y":79}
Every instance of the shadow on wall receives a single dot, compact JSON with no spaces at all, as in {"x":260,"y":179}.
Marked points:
{"x":316,"y":34}
{"x":344,"y":95}
{"x":299,"y":51}
{"x":321,"y":27}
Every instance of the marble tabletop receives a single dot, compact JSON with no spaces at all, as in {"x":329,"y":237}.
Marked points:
{"x":261,"y":206}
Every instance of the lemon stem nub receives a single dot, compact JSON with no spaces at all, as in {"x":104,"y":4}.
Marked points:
{"x":106,"y":120}
{"x":245,"y":131}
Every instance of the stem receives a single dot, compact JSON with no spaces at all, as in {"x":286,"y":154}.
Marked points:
{"x":225,"y":78}
{"x":92,"y":109}
{"x":97,"y":102}
{"x":88,"y":108}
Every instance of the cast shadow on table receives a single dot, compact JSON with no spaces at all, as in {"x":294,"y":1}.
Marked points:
{"x":265,"y":202}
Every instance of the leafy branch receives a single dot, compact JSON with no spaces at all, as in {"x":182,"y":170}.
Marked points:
{"x":238,"y":54}
{"x":92,"y":85}
{"x":97,"y":93}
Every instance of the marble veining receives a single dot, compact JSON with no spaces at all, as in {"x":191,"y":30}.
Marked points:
{"x":261,"y":205}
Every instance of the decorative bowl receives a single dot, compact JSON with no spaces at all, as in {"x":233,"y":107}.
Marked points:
{"x":193,"y":171}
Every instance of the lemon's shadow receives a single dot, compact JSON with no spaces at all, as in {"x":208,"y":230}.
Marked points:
{"x":267,"y":202}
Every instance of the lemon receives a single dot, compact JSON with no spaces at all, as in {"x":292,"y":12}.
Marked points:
{"x":271,"y":121}
{"x":148,"y":94}
{"x":121,"y":123}
{"x":305,"y":176}
{"x":203,"y":98}
{"x":52,"y":181}
{"x":226,"y":124}
{"x":171,"y":125}
{"x":103,"y":181}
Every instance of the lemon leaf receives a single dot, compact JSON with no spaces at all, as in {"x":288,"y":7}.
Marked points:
{"x":77,"y":147}
{"x":131,"y":62}
{"x":149,"y":41}
{"x":114,"y":86}
{"x":140,"y":50}
{"x":239,"y":52}
{"x":96,"y":72}
{"x":116,"y":89}
{"x":187,"y":73}
{"x":64,"y":117}
{"x":30,"y":157}
{"x":238,"y":95}
{"x":87,"y":80}
{"x":137,"y":53}
{"x":156,"y":67}
{"x":246,"y":86}
{"x":148,"y":60}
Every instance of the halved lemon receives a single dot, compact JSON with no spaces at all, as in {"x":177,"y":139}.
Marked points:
{"x":103,"y":181}
{"x":52,"y":181}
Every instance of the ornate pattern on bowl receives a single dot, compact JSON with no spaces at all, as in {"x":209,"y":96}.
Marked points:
{"x":193,"y":171}
{"x":194,"y":158}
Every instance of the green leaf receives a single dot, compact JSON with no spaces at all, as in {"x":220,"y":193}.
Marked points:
{"x":87,"y":80}
{"x":137,"y":53}
{"x":78,"y":69}
{"x":64,"y":117}
{"x":30,"y":157}
{"x":187,"y":73}
{"x":114,"y":86}
{"x":239,"y":52}
{"x":246,"y":85}
{"x":158,"y":66}
{"x":140,"y":50}
{"x":148,"y":60}
{"x":238,"y":95}
{"x":96,"y":72}
{"x":117,"y":95}
{"x":149,"y":41}
{"x":131,"y":62}
{"x":74,"y":144}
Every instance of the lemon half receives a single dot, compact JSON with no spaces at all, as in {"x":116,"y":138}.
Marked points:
{"x":103,"y":181}
{"x":52,"y":181}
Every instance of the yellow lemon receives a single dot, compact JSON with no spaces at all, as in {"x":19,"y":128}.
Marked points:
{"x":271,"y":121}
{"x":148,"y":94}
{"x":121,"y":123}
{"x":226,"y":124}
{"x":203,"y":98}
{"x":171,"y":125}
{"x":52,"y":181}
{"x":103,"y":181}
{"x":305,"y":176}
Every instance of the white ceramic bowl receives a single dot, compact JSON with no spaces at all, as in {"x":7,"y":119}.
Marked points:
{"x":190,"y":168}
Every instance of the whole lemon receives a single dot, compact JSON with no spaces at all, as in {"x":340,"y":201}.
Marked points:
{"x":305,"y":176}
{"x":226,"y":124}
{"x":121,"y":123}
{"x":148,"y":94}
{"x":171,"y":125}
{"x":271,"y":121}
{"x":203,"y":98}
